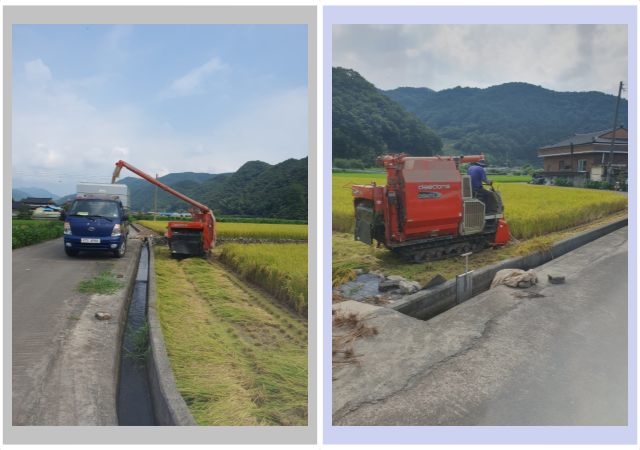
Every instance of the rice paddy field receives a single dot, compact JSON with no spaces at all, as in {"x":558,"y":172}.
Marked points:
{"x":538,"y":216}
{"x":238,"y":355}
{"x":530,"y":211}
{"x":243,"y":230}
{"x":281,"y":269}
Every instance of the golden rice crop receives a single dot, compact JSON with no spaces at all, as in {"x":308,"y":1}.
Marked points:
{"x":244,"y":230}
{"x":538,"y":210}
{"x":529,"y":210}
{"x":342,"y":214}
{"x":281,"y":269}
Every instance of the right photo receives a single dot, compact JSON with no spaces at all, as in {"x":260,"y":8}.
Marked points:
{"x":480,"y":178}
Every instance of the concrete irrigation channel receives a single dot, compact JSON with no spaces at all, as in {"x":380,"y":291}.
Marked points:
{"x":551,"y":354}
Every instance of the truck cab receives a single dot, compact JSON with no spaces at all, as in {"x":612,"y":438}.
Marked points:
{"x":96,"y":224}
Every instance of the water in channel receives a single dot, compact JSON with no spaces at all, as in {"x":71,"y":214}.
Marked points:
{"x":134,"y":401}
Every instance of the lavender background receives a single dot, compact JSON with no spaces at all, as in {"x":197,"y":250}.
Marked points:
{"x":481,"y":15}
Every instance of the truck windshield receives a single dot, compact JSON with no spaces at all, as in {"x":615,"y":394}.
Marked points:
{"x":94,"y":208}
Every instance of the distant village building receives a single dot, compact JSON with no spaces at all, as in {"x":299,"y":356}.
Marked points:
{"x":584,"y":157}
{"x":41,"y":207}
{"x":36,"y":202}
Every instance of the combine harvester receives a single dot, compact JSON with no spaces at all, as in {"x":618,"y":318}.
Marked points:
{"x":195,"y":238}
{"x":427,"y":211}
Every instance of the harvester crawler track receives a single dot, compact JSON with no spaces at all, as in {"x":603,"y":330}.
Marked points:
{"x":441,"y":249}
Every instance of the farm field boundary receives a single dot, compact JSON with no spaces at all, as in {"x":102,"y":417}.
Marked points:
{"x":243,"y":230}
{"x":431,"y":302}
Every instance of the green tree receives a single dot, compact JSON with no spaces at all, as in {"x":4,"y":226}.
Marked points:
{"x":366,"y":123}
{"x":24,"y":213}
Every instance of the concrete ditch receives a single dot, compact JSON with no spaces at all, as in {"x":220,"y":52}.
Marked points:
{"x":170,"y":408}
{"x":433,"y":301}
{"x":551,"y":354}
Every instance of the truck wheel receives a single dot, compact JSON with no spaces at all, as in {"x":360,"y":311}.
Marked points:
{"x":120,"y":252}
{"x":70,"y":252}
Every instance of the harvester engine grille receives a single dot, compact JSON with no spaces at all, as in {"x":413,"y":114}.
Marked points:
{"x":472,"y":216}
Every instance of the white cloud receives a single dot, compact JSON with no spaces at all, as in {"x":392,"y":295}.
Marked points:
{"x":193,"y":82}
{"x":37,"y":71}
{"x":558,"y":57}
{"x":115,"y":39}
{"x":57,"y":128}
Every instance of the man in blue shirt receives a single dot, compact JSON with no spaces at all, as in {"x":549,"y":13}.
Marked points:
{"x":477,"y":174}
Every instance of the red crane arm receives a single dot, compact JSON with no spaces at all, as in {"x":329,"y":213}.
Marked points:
{"x":116,"y":174}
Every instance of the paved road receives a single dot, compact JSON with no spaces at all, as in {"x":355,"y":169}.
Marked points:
{"x":498,"y":359}
{"x":43,"y":299}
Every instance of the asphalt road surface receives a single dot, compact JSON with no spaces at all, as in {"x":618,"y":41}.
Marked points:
{"x":44,"y":305}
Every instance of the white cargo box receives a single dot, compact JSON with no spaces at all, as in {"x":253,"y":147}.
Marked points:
{"x":121,"y":191}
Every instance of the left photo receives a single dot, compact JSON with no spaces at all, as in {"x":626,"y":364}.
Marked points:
{"x":159,"y":229}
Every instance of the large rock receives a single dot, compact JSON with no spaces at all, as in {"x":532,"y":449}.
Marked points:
{"x":387,"y":286}
{"x":396,"y":278}
{"x":409,"y":287}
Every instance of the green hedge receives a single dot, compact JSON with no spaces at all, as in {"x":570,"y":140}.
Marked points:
{"x":23,"y":235}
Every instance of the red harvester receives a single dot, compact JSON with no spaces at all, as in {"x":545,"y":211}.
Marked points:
{"x":195,"y":238}
{"x":427,"y":210}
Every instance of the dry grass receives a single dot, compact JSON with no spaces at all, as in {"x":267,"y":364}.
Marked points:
{"x":353,"y":326}
{"x":232,"y":362}
{"x":349,"y":254}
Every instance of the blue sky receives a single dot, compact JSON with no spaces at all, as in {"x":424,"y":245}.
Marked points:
{"x":165,"y":98}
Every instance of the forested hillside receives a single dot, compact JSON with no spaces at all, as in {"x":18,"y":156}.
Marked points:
{"x":145,"y":191}
{"x":257,"y":189}
{"x":510,"y":121}
{"x":366,"y":123}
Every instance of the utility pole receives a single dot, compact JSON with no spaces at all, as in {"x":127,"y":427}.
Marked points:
{"x":613,"y":136}
{"x":155,"y":202}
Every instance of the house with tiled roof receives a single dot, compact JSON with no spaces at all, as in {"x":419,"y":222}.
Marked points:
{"x":583,"y":157}
{"x":35,"y":201}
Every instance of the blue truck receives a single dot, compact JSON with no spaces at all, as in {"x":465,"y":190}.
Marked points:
{"x":97,"y":220}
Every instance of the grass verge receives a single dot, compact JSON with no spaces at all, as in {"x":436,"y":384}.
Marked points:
{"x":238,"y":356}
{"x":103,"y":283}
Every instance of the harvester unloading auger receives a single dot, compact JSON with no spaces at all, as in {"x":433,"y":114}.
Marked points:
{"x":427,"y":211}
{"x":195,"y":238}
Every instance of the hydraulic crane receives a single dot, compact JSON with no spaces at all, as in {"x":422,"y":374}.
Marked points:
{"x":195,"y":238}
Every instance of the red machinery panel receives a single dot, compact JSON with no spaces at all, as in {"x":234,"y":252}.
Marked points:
{"x":433,"y":199}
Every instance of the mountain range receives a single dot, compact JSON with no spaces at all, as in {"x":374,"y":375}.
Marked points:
{"x":510,"y":121}
{"x":20,"y":193}
{"x":257,"y":189}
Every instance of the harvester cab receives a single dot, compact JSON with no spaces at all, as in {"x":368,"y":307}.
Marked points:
{"x":195,"y":238}
{"x":427,"y":210}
